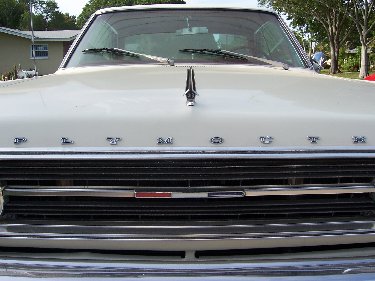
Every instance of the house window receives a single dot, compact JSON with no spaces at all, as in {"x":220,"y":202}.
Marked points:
{"x":41,"y":51}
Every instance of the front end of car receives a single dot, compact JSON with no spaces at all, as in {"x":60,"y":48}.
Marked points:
{"x":217,"y":156}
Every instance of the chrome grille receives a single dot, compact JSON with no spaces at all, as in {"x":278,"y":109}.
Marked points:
{"x":226,"y":204}
{"x":188,"y":173}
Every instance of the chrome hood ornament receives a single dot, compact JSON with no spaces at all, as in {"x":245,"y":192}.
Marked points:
{"x":191,"y":90}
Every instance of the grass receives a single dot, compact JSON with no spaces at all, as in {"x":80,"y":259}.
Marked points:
{"x":350,"y":75}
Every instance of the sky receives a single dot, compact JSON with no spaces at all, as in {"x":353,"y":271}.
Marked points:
{"x":74,"y":7}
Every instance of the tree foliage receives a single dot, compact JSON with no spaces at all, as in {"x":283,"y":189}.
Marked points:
{"x":348,"y":23}
{"x":94,"y":5}
{"x":362,"y":13}
{"x":46,"y":15}
{"x":11,"y":12}
{"x":316,"y":16}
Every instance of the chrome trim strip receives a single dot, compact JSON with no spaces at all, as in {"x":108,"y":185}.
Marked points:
{"x":294,"y":41}
{"x":235,"y":192}
{"x":349,"y":265}
{"x":190,"y":237}
{"x":187,"y":153}
{"x":114,"y":192}
{"x":193,"y":225}
{"x":182,"y":243}
{"x":309,"y":190}
{"x":92,"y":191}
{"x":1,"y":200}
{"x":226,"y":194}
{"x":76,"y":42}
{"x":172,"y":237}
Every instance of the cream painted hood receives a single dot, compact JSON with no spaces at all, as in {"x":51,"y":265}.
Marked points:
{"x":140,"y":104}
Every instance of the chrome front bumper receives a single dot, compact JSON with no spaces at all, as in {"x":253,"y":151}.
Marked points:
{"x":309,"y":269}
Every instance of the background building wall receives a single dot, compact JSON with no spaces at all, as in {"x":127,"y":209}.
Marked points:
{"x":15,"y":51}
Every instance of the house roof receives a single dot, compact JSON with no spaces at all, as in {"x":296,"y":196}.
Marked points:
{"x":58,"y":35}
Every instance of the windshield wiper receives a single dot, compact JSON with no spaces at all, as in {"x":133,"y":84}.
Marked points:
{"x":233,"y":55}
{"x":122,"y":52}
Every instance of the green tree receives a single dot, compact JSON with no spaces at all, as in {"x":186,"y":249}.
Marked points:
{"x":317,"y":16}
{"x":362,"y":14}
{"x":46,"y":15}
{"x":38,"y":22}
{"x":11,"y":13}
{"x":94,"y":5}
{"x":53,"y":19}
{"x":60,"y":21}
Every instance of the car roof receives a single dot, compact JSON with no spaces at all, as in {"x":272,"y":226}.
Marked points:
{"x":251,"y":7}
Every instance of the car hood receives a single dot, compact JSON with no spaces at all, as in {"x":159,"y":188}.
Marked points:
{"x":141,"y":104}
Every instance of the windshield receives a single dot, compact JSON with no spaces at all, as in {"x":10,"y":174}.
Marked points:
{"x":167,"y":35}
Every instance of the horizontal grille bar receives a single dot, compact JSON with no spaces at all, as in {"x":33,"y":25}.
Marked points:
{"x":274,"y":207}
{"x":119,"y":191}
{"x":183,"y":169}
{"x":68,"y":191}
{"x":183,"y":229}
{"x":184,"y":237}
